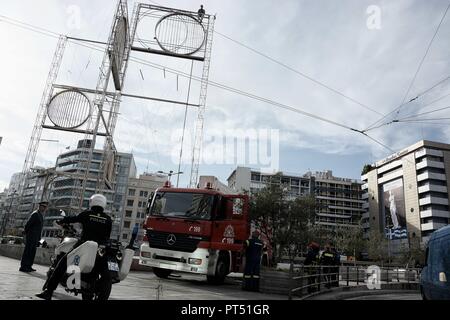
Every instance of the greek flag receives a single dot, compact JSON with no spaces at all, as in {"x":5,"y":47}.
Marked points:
{"x":397,"y":233}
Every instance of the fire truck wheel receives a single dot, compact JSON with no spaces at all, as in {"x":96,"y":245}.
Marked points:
{"x":162,"y":273}
{"x":222,"y":270}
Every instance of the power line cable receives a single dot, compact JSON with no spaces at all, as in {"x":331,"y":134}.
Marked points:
{"x":424,"y":113}
{"x":415,"y":75}
{"x":298,"y":73}
{"x":423,"y":59}
{"x":221,"y":86}
{"x":373,"y":126}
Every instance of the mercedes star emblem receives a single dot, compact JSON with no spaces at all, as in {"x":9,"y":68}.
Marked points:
{"x":171,"y":239}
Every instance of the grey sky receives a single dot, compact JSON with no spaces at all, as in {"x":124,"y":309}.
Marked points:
{"x":326,"y":39}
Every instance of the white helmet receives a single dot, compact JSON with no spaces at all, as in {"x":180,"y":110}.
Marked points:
{"x":97,"y":200}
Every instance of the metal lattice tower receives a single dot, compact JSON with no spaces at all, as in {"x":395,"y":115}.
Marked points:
{"x":42,"y":113}
{"x":100,"y":121}
{"x":94,"y":113}
{"x":198,"y":140}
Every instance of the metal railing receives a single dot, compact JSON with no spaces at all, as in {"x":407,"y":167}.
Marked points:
{"x":308,"y":280}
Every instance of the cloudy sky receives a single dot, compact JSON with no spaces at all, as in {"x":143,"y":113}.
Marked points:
{"x":366,"y":50}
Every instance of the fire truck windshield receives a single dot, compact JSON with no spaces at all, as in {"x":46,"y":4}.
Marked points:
{"x":183,"y":205}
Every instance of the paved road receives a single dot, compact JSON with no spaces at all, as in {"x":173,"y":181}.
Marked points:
{"x":407,"y":296}
{"x":137,"y":286}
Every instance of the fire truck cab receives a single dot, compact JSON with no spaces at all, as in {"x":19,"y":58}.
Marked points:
{"x":198,"y":231}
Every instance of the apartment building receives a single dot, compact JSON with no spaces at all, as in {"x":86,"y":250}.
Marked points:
{"x":406,"y":193}
{"x":137,"y":195}
{"x":339,"y":202}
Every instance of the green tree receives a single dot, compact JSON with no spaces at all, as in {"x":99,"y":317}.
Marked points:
{"x":377,"y":247}
{"x":284,"y":221}
{"x":349,"y":241}
{"x":367,"y":168}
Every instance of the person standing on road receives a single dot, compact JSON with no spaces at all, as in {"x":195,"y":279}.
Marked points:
{"x":311,"y":264}
{"x":328,"y":260}
{"x":33,"y":230}
{"x":253,"y":251}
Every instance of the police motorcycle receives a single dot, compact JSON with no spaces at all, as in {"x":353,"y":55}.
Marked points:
{"x":85,"y":261}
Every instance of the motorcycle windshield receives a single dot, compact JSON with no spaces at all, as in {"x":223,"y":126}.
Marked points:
{"x":196,"y":206}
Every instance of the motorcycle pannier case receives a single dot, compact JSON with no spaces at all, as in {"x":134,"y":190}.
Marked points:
{"x":83,"y":256}
{"x":125,"y":264}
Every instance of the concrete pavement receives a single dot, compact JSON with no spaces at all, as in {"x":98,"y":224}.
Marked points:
{"x":16,"y":285}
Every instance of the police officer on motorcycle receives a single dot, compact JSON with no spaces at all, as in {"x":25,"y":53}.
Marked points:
{"x":96,"y":227}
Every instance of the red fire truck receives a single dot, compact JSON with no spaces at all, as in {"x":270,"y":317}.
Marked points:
{"x":195,"y":230}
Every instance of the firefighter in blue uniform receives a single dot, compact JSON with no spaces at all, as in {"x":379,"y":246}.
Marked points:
{"x":328,"y":261}
{"x":253,"y":251}
{"x":311,"y":265}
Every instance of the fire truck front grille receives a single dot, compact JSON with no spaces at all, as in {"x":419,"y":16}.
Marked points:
{"x":173,"y":241}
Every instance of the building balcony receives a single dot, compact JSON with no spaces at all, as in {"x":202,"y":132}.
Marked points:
{"x":430,"y":175}
{"x":365,"y":186}
{"x":334,"y":215}
{"x":339,"y":199}
{"x":365,"y":215}
{"x":390,"y":176}
{"x":364,"y":177}
{"x":365,"y":196}
{"x":432,"y":226}
{"x":433,"y":200}
{"x":432,"y":188}
{"x":434,"y":213}
{"x":346,"y":208}
{"x":390,"y":166}
{"x":429,"y":163}
{"x":365,"y":225}
{"x":430,"y":152}
{"x":365,"y":205}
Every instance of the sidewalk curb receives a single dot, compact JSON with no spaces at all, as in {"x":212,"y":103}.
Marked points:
{"x":356,"y":291}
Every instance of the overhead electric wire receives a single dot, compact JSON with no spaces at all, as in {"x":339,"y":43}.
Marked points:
{"x":424,"y":113}
{"x":212,"y":83}
{"x":424,"y":57}
{"x":299,"y":73}
{"x":415,"y":75}
{"x":373,"y":126}
{"x":427,"y":123}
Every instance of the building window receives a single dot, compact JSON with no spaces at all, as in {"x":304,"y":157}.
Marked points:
{"x":128,"y":213}
{"x":140,"y":204}
{"x":131,"y":192}
{"x":126,"y":224}
{"x":125,"y":236}
{"x":130,"y":203}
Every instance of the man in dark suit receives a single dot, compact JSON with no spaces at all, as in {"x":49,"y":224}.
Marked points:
{"x":33,"y":230}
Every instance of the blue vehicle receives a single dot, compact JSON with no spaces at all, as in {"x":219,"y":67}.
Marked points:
{"x":435,"y":276}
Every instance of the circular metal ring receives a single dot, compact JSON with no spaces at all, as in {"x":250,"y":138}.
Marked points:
{"x":69,"y":109}
{"x":186,"y":42}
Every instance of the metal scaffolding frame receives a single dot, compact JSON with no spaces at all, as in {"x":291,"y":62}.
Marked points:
{"x":106,"y":103}
{"x":198,"y":140}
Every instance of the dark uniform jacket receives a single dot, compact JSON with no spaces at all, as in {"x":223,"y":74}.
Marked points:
{"x":253,"y":249}
{"x":328,"y":258}
{"x":33,"y":227}
{"x":96,"y":226}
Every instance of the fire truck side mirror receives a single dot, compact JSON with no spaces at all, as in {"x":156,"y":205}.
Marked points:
{"x":149,"y":202}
